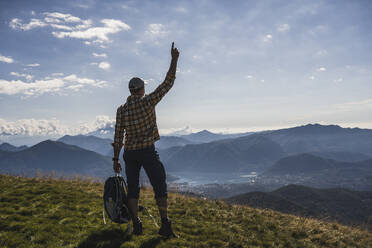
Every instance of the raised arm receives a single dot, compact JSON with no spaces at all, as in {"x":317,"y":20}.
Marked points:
{"x":155,"y":96}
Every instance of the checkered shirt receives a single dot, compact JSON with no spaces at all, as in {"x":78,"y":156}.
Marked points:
{"x":137,"y":119}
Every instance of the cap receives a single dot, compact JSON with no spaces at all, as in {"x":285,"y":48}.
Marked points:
{"x":136,"y":83}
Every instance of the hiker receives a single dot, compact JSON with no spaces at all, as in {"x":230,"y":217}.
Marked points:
{"x":136,"y":118}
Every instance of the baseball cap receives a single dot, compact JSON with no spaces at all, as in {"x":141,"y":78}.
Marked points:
{"x":136,"y":83}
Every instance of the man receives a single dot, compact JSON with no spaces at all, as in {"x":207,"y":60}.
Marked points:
{"x":136,"y":118}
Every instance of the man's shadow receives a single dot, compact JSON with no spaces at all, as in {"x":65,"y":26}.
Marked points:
{"x":108,"y":238}
{"x":114,"y":238}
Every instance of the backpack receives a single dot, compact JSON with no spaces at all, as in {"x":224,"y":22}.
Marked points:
{"x":115,"y":200}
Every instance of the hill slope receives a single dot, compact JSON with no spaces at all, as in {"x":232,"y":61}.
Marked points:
{"x":55,"y":213}
{"x":346,"y":206}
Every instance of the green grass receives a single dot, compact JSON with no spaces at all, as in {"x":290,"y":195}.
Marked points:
{"x":47,"y":212}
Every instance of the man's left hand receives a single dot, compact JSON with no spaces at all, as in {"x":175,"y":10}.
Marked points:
{"x":117,"y":166}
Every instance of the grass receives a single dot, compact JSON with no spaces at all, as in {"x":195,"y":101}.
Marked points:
{"x":47,"y":212}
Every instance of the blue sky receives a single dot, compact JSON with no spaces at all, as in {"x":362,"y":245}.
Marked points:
{"x":244,"y":65}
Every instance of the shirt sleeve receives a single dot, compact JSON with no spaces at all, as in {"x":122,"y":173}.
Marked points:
{"x":154,"y":97}
{"x":119,"y":127}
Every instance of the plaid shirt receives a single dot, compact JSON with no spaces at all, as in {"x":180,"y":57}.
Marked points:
{"x":136,"y":118}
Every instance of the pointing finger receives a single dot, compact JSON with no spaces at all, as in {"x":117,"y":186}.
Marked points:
{"x":172,"y":45}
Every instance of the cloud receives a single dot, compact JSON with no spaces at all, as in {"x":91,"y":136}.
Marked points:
{"x":27,"y":76}
{"x":56,"y":74}
{"x":5,"y":59}
{"x":283,"y":27}
{"x":322,"y":69}
{"x":33,"y":65}
{"x":102,"y":55}
{"x":249,"y":77}
{"x":268,"y":38}
{"x":104,"y":65}
{"x":73,"y":27}
{"x":47,"y":85}
{"x":356,"y":105}
{"x":31,"y":127}
{"x":111,"y":26}
{"x":311,"y":77}
{"x":52,"y":127}
{"x":156,"y":29}
{"x":64,"y":17}
{"x":34,"y":23}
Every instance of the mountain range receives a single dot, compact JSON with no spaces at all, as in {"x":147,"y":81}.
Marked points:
{"x":342,"y":205}
{"x":10,"y":148}
{"x":49,"y":156}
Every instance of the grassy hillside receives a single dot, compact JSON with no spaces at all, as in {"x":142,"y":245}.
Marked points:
{"x":44,"y":212}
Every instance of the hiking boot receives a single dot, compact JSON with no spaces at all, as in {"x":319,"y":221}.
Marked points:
{"x":166,"y":229}
{"x":137,"y":227}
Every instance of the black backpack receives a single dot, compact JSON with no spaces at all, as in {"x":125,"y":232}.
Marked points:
{"x":115,"y":199}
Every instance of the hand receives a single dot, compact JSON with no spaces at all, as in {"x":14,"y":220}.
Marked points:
{"x":174,"y":52}
{"x":117,"y":166}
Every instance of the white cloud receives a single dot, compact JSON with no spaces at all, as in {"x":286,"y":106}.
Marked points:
{"x":73,"y":27}
{"x":64,"y":17}
{"x":249,"y":77}
{"x":34,"y":23}
{"x":321,"y":53}
{"x":268,"y":38}
{"x":59,"y":26}
{"x":322,"y":69}
{"x":52,"y":127}
{"x":5,"y":59}
{"x":311,"y":77}
{"x":31,"y":127}
{"x":356,"y":105}
{"x":338,"y":80}
{"x":102,"y":55}
{"x":33,"y":65}
{"x":283,"y":27}
{"x":104,"y":65}
{"x":27,"y":76}
{"x":156,"y":29}
{"x":47,"y":85}
{"x":56,"y":74}
{"x":74,"y":79}
{"x":111,"y":26}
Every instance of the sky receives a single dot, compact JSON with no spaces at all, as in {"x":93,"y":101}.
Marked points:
{"x":243,"y":66}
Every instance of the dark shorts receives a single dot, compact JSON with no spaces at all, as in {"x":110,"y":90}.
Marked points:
{"x":149,"y":159}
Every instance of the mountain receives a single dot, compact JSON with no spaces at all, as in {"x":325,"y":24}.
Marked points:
{"x":301,"y":164}
{"x":170,"y":141}
{"x":343,"y":205}
{"x":308,"y":164}
{"x":11,"y":148}
{"x":342,"y":156}
{"x":310,"y":170}
{"x":90,"y":142}
{"x":42,"y":212}
{"x":56,"y":156}
{"x":253,"y":152}
{"x":322,"y":138}
{"x":206,"y":136}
